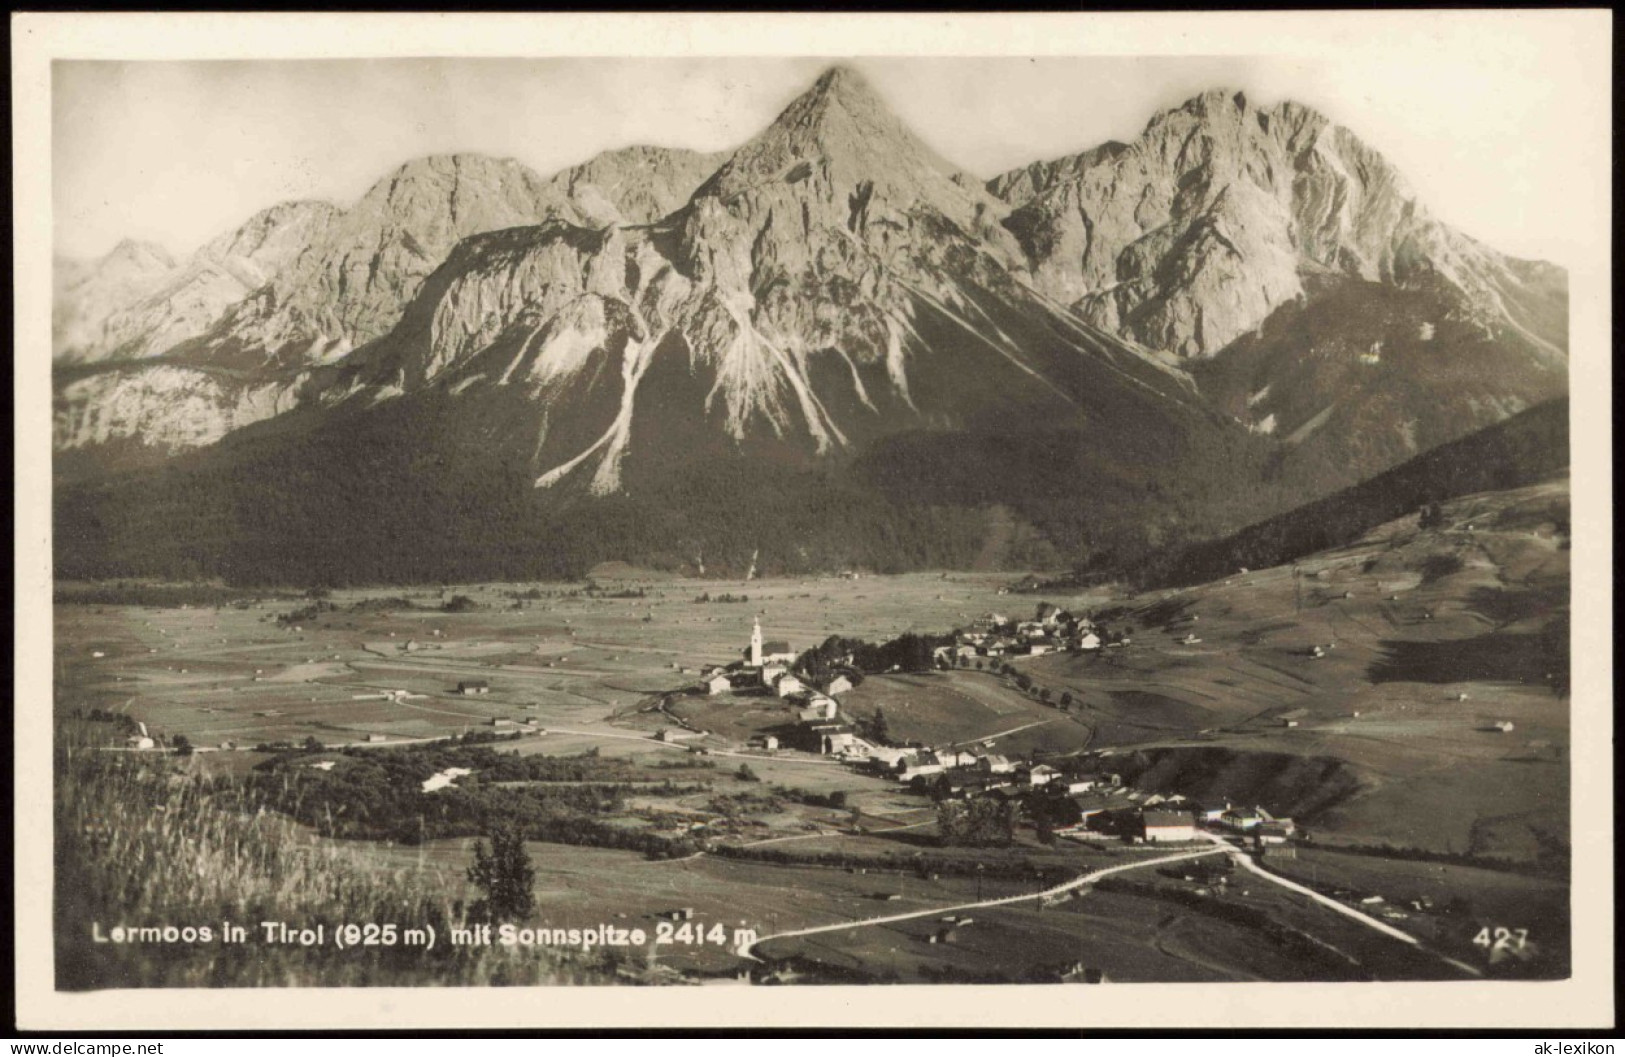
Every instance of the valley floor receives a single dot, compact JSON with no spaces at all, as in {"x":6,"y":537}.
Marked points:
{"x":1385,"y":748}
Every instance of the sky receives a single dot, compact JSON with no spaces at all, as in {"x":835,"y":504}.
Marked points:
{"x":179,"y":152}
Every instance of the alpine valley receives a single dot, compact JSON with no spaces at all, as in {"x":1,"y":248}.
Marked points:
{"x":827,"y":349}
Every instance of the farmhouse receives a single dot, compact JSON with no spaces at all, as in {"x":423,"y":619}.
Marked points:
{"x":826,"y":738}
{"x":718,"y":684}
{"x":787,"y":684}
{"x":470,"y":687}
{"x":838,"y":685}
{"x":993,"y":764}
{"x":909,"y":768}
{"x":1273,"y":833}
{"x":764,"y":741}
{"x":818,"y":709}
{"x":1088,"y":641}
{"x":889,"y":757}
{"x":1167,"y":826}
{"x":1042,"y":774}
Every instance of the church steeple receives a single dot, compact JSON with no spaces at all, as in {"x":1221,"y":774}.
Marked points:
{"x":756,"y":642}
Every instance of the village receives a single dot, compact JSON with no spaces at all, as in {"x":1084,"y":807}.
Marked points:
{"x":1076,"y":796}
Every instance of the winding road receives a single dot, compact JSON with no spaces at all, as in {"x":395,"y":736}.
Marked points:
{"x":1065,"y":886}
{"x":1220,"y":847}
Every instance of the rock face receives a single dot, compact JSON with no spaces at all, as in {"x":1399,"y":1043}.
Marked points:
{"x":165,"y":406}
{"x":302,"y":283}
{"x":349,"y":287}
{"x":1193,"y":234}
{"x":834,"y":281}
{"x":192,"y":297}
{"x":634,"y":185}
{"x":86,"y":294}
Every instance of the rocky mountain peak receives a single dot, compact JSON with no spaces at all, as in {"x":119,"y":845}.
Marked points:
{"x":1193,"y":234}
{"x":87,"y":293}
{"x":842,"y":129}
{"x":283,"y":229}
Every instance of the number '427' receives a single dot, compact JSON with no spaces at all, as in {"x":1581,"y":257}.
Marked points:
{"x":1502,"y":939}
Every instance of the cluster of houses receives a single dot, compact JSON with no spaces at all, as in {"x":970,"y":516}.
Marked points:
{"x":1052,"y":629}
{"x":766,"y":667}
{"x":1075,"y":793}
{"x":1158,"y":819}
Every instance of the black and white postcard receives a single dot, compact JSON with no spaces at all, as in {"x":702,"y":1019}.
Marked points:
{"x":936,"y":508}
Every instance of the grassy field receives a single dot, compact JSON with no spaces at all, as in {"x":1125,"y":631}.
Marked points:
{"x":964,"y":707}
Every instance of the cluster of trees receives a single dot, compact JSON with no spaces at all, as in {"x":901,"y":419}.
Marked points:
{"x":592,"y":590}
{"x":836,"y":799}
{"x":985,"y":822}
{"x":908,"y":652}
{"x":378,"y":795}
{"x":1004,"y":867}
{"x":1438,"y":566}
{"x":306,"y":614}
{"x":874,"y":727}
{"x":737,"y":804}
{"x":707,"y":596}
{"x":126,"y":724}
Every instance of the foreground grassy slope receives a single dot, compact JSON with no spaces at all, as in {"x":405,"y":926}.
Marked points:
{"x":144,"y":842}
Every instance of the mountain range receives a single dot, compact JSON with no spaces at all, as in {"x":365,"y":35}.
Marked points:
{"x":830,"y":327}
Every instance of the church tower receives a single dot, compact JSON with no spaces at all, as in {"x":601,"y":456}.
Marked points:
{"x":756,"y":643}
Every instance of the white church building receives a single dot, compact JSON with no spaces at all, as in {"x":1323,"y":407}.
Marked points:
{"x":760,"y":654}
